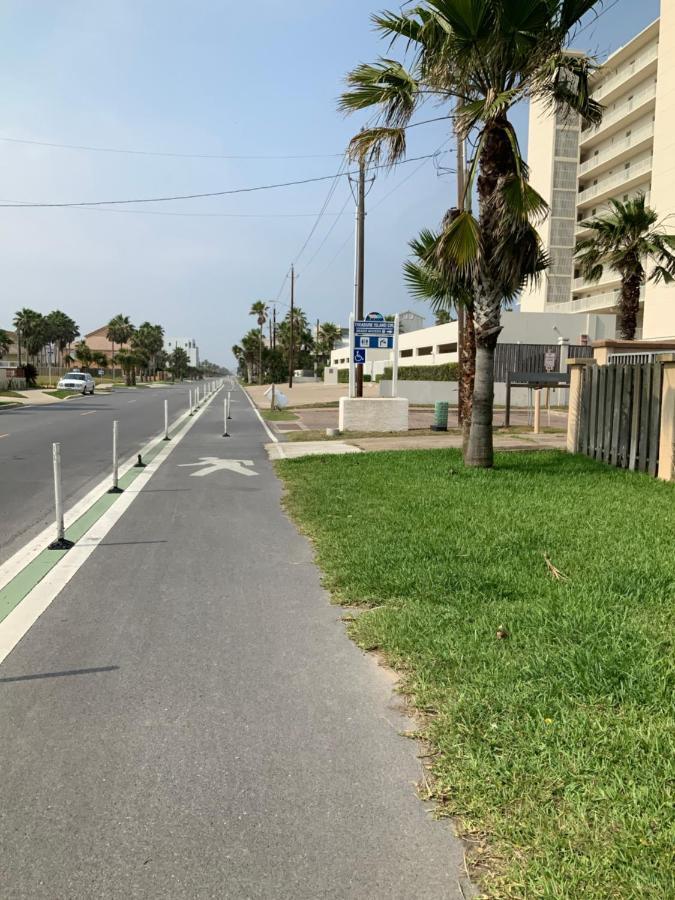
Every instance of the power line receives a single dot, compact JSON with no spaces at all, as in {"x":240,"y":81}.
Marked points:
{"x":119,"y":150}
{"x":329,"y":197}
{"x":123,"y":151}
{"x":149,"y":212}
{"x":22,"y":204}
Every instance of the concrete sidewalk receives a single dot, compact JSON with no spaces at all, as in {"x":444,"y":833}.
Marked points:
{"x":295,"y":450}
{"x":188,"y":719}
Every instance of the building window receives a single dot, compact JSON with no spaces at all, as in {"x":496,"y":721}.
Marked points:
{"x":447,"y":348}
{"x":406,"y":353}
{"x":425,"y":351}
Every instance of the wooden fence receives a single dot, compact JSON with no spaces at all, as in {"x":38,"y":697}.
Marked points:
{"x":620,"y":415}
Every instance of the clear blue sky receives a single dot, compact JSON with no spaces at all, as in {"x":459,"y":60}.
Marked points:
{"x":203,"y":77}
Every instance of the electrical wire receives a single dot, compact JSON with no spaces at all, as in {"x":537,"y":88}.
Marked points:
{"x":22,"y":204}
{"x":124,"y":152}
{"x":329,"y":197}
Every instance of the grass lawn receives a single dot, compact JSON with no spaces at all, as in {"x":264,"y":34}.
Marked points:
{"x":63,"y":395}
{"x":554,"y":738}
{"x":320,"y":435}
{"x":12,"y":394}
{"x":278,"y":415}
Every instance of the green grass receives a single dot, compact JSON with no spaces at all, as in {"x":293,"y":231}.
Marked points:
{"x":63,"y":395}
{"x":320,"y":435}
{"x":556,"y":744}
{"x":12,"y":394}
{"x":278,"y":415}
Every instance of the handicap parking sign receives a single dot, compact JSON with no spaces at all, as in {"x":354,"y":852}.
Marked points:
{"x":359,"y":355}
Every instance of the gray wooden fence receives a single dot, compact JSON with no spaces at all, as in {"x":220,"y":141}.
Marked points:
{"x":620,"y":415}
{"x":531,"y":357}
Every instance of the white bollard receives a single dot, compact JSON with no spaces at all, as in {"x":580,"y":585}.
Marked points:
{"x":225,"y":412}
{"x":166,"y":421}
{"x":229,"y":400}
{"x":60,"y":543}
{"x":115,"y":489}
{"x":190,"y":401}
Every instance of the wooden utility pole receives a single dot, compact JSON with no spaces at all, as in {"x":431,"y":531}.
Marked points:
{"x":292,"y":328}
{"x":316,"y":352}
{"x":360,"y":261}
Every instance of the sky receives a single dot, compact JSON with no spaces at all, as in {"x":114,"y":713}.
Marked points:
{"x":207,"y":78}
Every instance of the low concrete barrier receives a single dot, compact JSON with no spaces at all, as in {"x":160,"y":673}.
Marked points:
{"x":373,"y":414}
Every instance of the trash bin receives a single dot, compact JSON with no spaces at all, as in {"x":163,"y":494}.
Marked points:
{"x":440,"y":416}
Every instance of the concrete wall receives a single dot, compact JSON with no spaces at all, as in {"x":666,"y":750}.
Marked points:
{"x":373,"y":414}
{"x":425,"y":392}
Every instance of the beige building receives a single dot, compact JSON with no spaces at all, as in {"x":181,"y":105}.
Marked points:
{"x":579,"y":170}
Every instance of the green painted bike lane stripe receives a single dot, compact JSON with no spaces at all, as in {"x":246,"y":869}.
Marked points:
{"x":32,"y":574}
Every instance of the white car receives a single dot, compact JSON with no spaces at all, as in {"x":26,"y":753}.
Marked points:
{"x":82,"y":382}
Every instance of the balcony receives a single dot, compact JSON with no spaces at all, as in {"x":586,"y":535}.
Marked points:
{"x":623,"y":179}
{"x":637,"y":67}
{"x":630,"y":108}
{"x":597,"y":303}
{"x":609,"y":276}
{"x":611,"y":153}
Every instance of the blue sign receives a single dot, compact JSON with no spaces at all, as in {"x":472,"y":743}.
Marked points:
{"x":374,"y":329}
{"x":375,"y":317}
{"x":359,"y":355}
{"x":371,"y":342}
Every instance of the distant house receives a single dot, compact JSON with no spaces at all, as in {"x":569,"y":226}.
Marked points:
{"x":11,"y":358}
{"x":99,"y":343}
{"x":187,"y":344}
{"x":410,"y":321}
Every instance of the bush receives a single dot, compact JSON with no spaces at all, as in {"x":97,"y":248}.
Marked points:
{"x":343,"y":376}
{"x":30,"y":374}
{"x":446,"y":372}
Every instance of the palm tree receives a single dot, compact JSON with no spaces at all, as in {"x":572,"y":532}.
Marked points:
{"x":119,"y":332}
{"x":261,"y":310}
{"x":329,"y":335}
{"x":84,"y":354}
{"x":480,"y":59}
{"x":148,"y":340}
{"x":627,"y":239}
{"x":31,"y":331}
{"x":445,"y":289}
{"x":61,"y":331}
{"x":5,"y":342}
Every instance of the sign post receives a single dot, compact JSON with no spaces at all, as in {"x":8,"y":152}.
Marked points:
{"x":352,"y":350}
{"x":394,"y":373}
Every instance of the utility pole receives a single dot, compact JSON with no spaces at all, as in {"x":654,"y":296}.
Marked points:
{"x":360,"y":260}
{"x":316,"y":353}
{"x":292,"y":328}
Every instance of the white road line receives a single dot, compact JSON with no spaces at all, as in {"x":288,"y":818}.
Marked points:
{"x":29,"y":610}
{"x":131,"y":401}
{"x":271,"y":436}
{"x":92,"y":412}
{"x":4,"y":435}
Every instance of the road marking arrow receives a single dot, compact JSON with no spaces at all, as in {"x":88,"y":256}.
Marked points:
{"x":211,"y":464}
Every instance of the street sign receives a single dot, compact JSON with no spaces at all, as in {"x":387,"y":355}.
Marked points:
{"x":549,"y":360}
{"x":374,"y":328}
{"x":370,"y":342}
{"x":359,"y":355}
{"x":374,"y":317}
{"x":101,"y":373}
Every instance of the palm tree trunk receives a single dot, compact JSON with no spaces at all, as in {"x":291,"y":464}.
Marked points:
{"x":480,"y":450}
{"x":467,"y":376}
{"x":260,"y":346}
{"x":629,"y":306}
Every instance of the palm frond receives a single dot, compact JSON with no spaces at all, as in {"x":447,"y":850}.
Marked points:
{"x":459,"y":246}
{"x":372,"y":143}
{"x":386,"y":84}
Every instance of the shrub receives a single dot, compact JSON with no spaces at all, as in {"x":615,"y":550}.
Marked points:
{"x":343,"y":376}
{"x":30,"y":374}
{"x":445,"y":372}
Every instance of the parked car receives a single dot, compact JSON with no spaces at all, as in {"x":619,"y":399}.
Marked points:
{"x":81,"y":382}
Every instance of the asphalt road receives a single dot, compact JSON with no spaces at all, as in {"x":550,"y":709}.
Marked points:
{"x":83,"y":425}
{"x":188,"y":719}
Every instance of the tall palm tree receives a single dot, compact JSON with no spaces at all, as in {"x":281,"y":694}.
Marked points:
{"x":119,"y":332}
{"x":84,"y":354}
{"x":260,"y":309}
{"x":628,"y":239}
{"x":489,"y":55}
{"x":30,"y":331}
{"x":61,"y":331}
{"x":329,"y":335}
